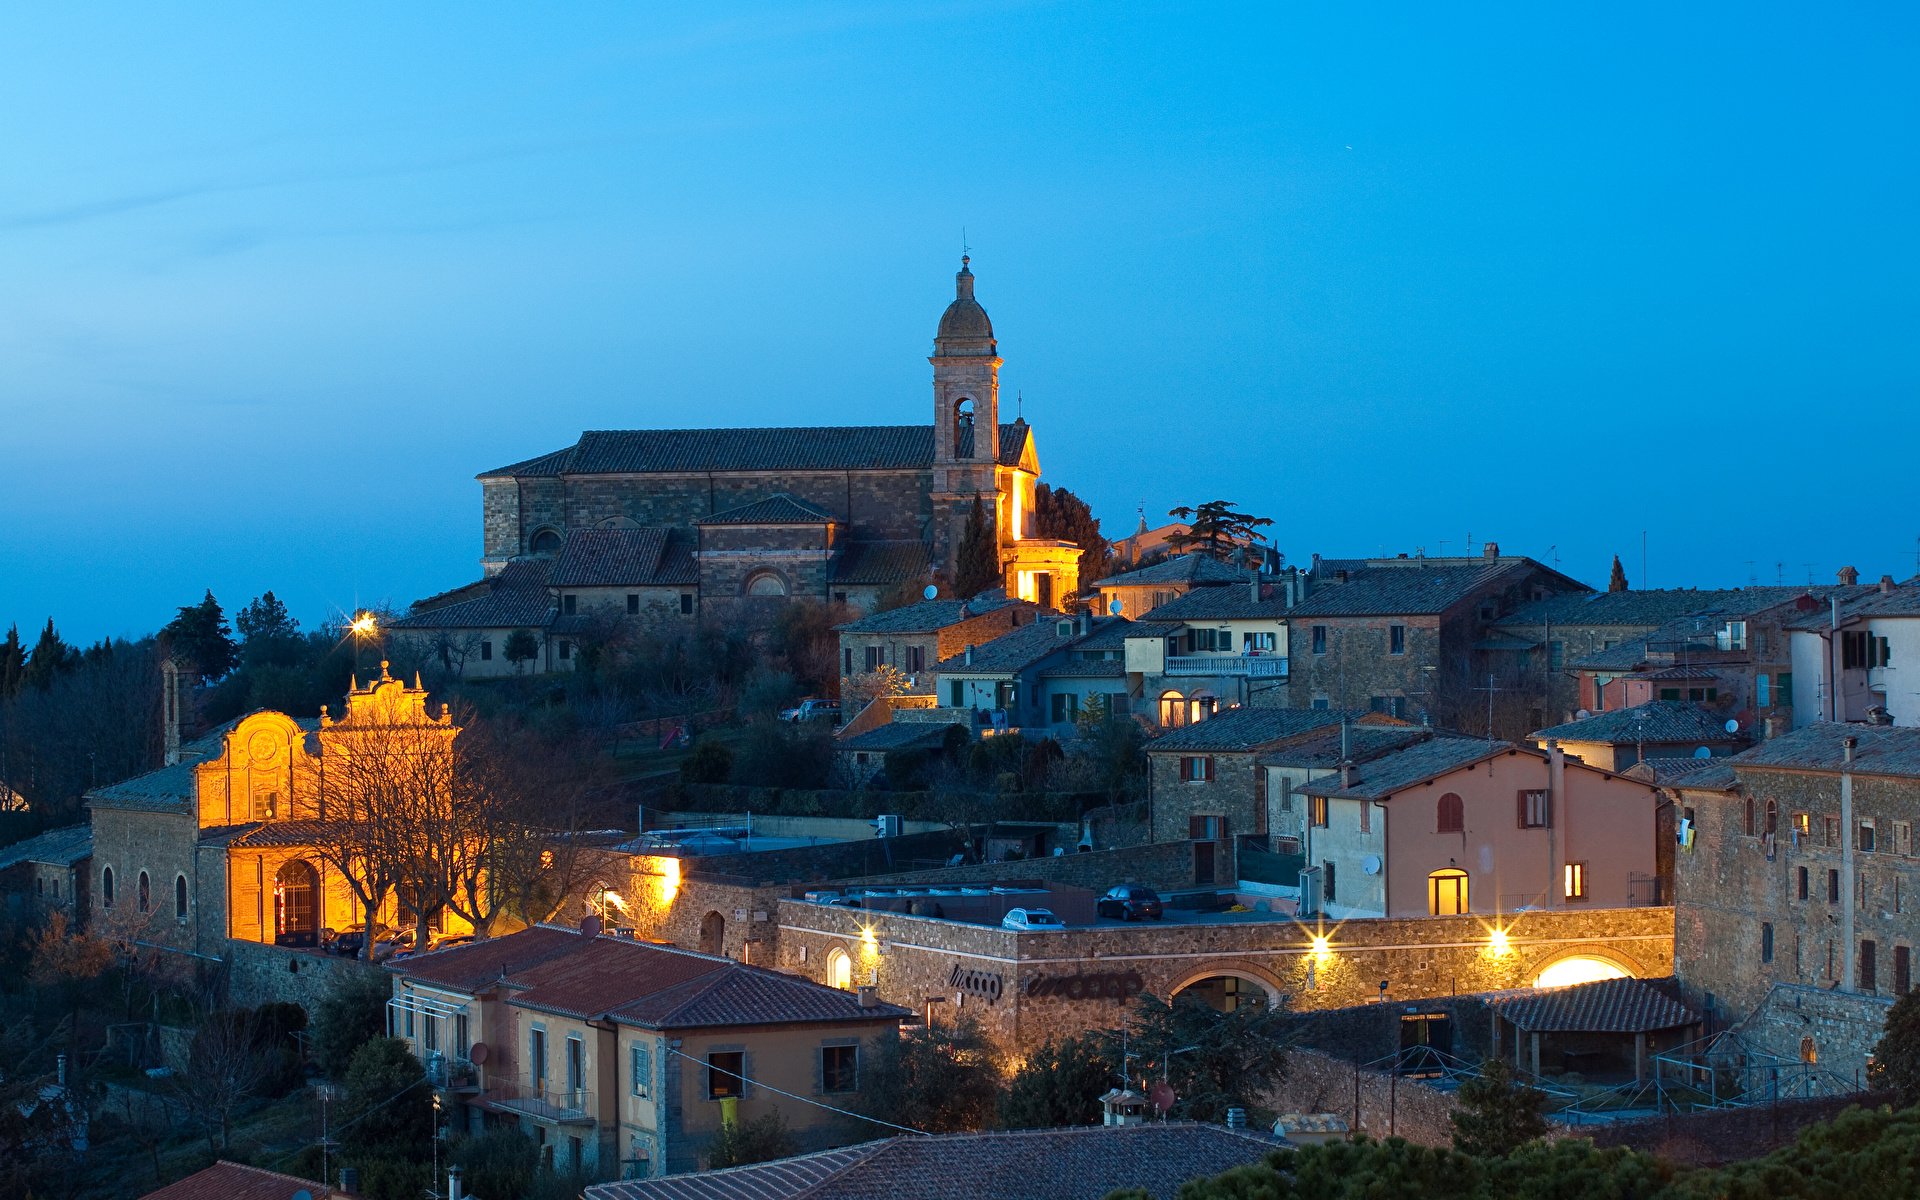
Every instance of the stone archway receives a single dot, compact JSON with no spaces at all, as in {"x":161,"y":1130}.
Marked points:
{"x":713,"y":933}
{"x":1600,"y":952}
{"x":1246,"y":972}
{"x":296,"y":904}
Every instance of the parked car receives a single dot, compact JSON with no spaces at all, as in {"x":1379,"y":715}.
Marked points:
{"x":348,"y":941}
{"x":1130,"y":902}
{"x":1032,"y":918}
{"x":811,"y":710}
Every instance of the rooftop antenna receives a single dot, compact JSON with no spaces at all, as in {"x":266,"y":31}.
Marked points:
{"x":1809,"y":567}
{"x":1490,"y":690}
{"x":1553,"y":552}
{"x":1019,"y":405}
{"x":965,"y":250}
{"x":1753,"y":580}
{"x":1643,"y":560}
{"x":1469,"y":543}
{"x":1443,"y":547}
{"x":1780,"y":573}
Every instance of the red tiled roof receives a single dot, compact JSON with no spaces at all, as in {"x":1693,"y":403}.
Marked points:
{"x":1607,"y":1006}
{"x":231,"y":1181}
{"x":1030,"y":1164}
{"x":476,"y":966}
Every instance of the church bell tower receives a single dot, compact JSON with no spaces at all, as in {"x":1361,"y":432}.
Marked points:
{"x":966,"y":416}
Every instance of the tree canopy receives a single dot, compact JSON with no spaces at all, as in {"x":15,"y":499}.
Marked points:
{"x":1215,"y":529}
{"x":1896,"y":1059}
{"x":200,"y":635}
{"x":976,"y":564}
{"x":1058,"y":513}
{"x":1497,"y":1113}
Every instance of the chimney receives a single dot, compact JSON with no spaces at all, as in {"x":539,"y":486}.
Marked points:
{"x":869,"y":996}
{"x":1767,"y":730}
{"x":350,"y":1180}
{"x":969,"y":653}
{"x":1341,"y":574}
{"x":453,"y":1183}
{"x":590,"y":925}
{"x":1253,"y":591}
{"x":1847,"y":744}
{"x":1346,"y":773}
{"x":1490,"y":549}
{"x":1886,"y":584}
{"x":1849,"y":577}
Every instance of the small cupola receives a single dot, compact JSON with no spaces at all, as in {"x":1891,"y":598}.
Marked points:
{"x":1123,"y":1106}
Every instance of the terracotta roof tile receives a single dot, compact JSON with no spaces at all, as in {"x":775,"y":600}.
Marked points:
{"x":1655,"y":721}
{"x":1606,"y":1006}
{"x":1200,"y":569}
{"x":1250,"y":728}
{"x":518,"y":596}
{"x":232,"y":1181}
{"x":777,"y":509}
{"x":1083,"y":1163}
{"x":883,"y":562}
{"x":1411,"y":587}
{"x":59,"y":847}
{"x":1403,"y":768}
{"x":616,"y":557}
{"x":792,"y":448}
{"x":1878,"y":750}
{"x":931,"y":616}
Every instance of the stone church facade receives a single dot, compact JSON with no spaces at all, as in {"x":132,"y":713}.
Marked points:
{"x":752,"y":517}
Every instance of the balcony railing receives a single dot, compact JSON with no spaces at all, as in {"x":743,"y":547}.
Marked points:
{"x":538,"y":1098}
{"x":1256,"y":666}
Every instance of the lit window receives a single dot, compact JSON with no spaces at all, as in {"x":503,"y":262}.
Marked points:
{"x":1576,"y":881}
{"x":1447,"y":893}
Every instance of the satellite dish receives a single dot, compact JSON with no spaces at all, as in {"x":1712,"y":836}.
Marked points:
{"x":477,"y":1054}
{"x":1702,"y":752}
{"x":1733,"y":726}
{"x":303,"y":1194}
{"x":1114,"y":608}
{"x":1582,"y":715}
{"x":930,"y":591}
{"x":1162,"y":1097}
{"x":1371,"y":864}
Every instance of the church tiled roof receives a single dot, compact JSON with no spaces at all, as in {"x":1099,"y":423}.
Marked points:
{"x":882,"y":562}
{"x":622,"y":558}
{"x":792,"y":448}
{"x":778,"y":509}
{"x":518,"y":597}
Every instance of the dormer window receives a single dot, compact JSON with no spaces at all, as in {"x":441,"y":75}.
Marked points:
{"x":1063,"y":628}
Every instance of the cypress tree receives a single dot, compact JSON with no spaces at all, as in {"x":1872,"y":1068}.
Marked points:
{"x":976,"y":565}
{"x":13,"y":664}
{"x":1058,"y":513}
{"x":1617,"y":582}
{"x":50,"y":657}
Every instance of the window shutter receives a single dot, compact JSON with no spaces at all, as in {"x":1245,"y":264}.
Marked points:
{"x":1209,"y":767}
{"x":1520,"y":810}
{"x":1197,"y":828}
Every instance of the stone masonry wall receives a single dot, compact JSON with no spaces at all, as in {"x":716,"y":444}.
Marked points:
{"x":1164,"y":866}
{"x":1371,"y":1102}
{"x":1061,"y":983}
{"x":262,"y":974}
{"x":1230,"y":794}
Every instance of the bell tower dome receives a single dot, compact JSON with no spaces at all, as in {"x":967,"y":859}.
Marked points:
{"x":966,"y":383}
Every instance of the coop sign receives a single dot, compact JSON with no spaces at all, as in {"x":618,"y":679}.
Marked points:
{"x":1108,"y":985}
{"x":975,"y":983}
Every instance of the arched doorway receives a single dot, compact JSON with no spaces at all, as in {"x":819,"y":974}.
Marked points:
{"x":1228,"y":989}
{"x":1447,"y":889}
{"x":296,"y":909}
{"x":1173,"y":710}
{"x":713,"y":933}
{"x":1578,"y":969}
{"x":839,"y":969}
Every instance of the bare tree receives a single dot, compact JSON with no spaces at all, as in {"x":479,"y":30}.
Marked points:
{"x":225,"y":1069}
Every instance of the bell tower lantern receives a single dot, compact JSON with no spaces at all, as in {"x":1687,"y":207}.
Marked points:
{"x":966,"y":387}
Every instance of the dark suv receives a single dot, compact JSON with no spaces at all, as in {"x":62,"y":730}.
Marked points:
{"x":1129,"y":902}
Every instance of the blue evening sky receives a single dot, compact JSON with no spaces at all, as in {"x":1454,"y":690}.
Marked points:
{"x":277,"y":281}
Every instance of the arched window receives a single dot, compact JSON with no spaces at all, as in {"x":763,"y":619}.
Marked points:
{"x":1773,"y":815}
{"x":1749,"y":816}
{"x":1453,"y":814}
{"x":713,"y":933}
{"x":547,"y":541}
{"x":1447,"y":893}
{"x":1173,"y":709}
{"x":963,"y":428}
{"x":180,"y":896}
{"x":146,"y":893}
{"x":106,"y":886}
{"x":1807,"y":1053}
{"x":839,"y":969}
{"x":766,"y":584}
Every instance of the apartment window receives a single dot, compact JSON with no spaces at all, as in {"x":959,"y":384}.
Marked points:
{"x":1669,"y":693}
{"x":536,"y":1055}
{"x":106,"y":886}
{"x":1599,"y":694}
{"x":1319,"y":639}
{"x":839,"y":597}
{"x":1534,"y":810}
{"x":633,"y":604}
{"x":1452,"y":814}
{"x":1732,"y":636}
{"x":1807,"y":1052}
{"x":566,"y":650}
{"x":1576,"y":881}
{"x":1866,"y":842}
{"x":409,"y":1012}
{"x":1556,"y":655}
{"x":1321,"y":703}
{"x":1830,"y":830}
{"x":1783,"y":688}
{"x":1902,"y":970}
{"x":1766,"y":941}
{"x":431,"y":1034}
{"x":876,"y":657}
{"x":486,"y":651}
{"x":1800,"y":883}
{"x":1286,"y":794}
{"x":179,"y":896}
{"x":686,"y":604}
{"x":1833,"y":887}
{"x":839,"y":1068}
{"x":846,"y":661}
{"x":462,"y":1035}
{"x":1396,"y":639}
{"x":1853,"y":650}
{"x":726,"y":1074}
{"x":1197,"y":769}
{"x":1869,"y":979}
{"x":1317,"y":811}
{"x":1902,"y":839}
{"x":1066,"y":707}
{"x":1447,"y":893}
{"x":916,"y":659}
{"x":957,"y":690}
{"x":1264,"y":642}
{"x":1773,"y":816}
{"x":1327,"y":892}
{"x":1761,"y":692}
{"x":1393,"y":706}
{"x":641,"y":1071}
{"x":1802,"y":823}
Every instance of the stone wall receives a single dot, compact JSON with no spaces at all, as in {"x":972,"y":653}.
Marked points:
{"x":1164,"y":866}
{"x":1724,"y":1135}
{"x":834,"y":860}
{"x":1086,"y":975}
{"x":261,"y":974}
{"x":1371,"y":1102}
{"x":1843,"y":1027}
{"x":1229,"y":795}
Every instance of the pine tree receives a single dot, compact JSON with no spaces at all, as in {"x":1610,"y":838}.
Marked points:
{"x":13,"y":664}
{"x":200,"y":635}
{"x":1058,"y":513}
{"x":266,"y":617}
{"x":976,"y":565}
{"x":1617,"y":582}
{"x":1498,"y":1114}
{"x":1216,"y":530}
{"x":50,"y":657}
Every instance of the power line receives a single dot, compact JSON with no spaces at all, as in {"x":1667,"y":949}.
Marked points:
{"x":802,"y":1099}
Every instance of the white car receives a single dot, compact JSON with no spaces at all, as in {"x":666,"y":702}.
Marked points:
{"x":812,"y":709}
{"x":1031,"y":918}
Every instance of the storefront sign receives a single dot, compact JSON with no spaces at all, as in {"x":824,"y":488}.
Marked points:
{"x":1111,"y":985}
{"x":975,"y":983}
